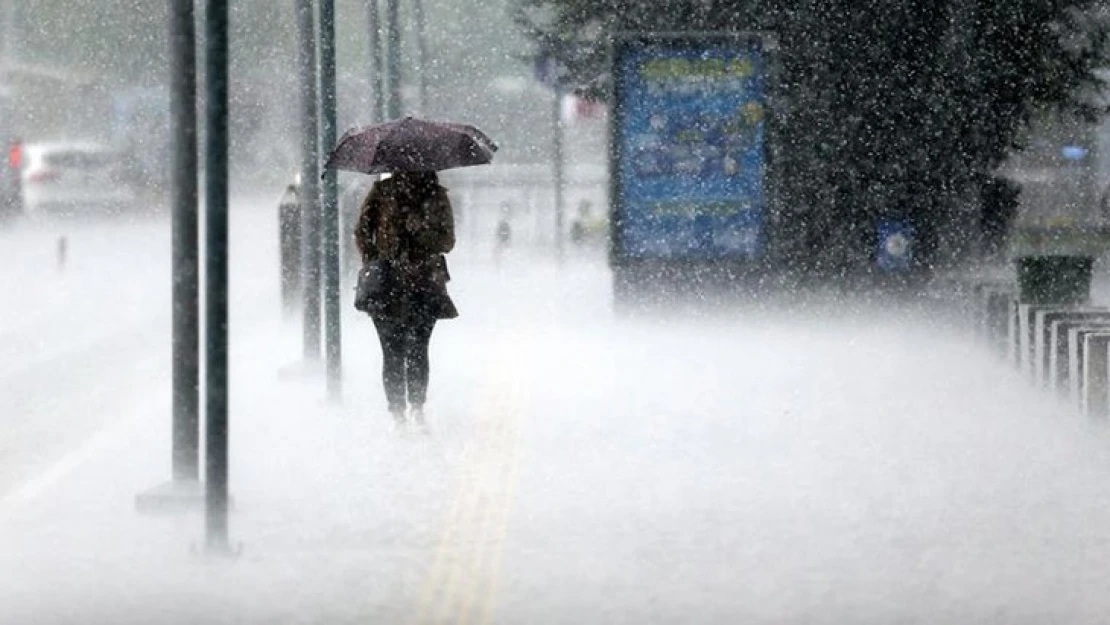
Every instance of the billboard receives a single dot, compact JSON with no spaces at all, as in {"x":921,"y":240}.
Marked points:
{"x":689,"y":161}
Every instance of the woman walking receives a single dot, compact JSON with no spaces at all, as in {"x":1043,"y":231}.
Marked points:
{"x":407,"y":221}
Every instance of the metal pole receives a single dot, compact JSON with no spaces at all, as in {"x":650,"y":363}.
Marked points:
{"x":422,"y":54}
{"x":216,"y":276}
{"x":186,"y":267}
{"x":310,"y":179}
{"x":393,"y":57}
{"x":333,"y":328}
{"x":377,"y":79}
{"x":560,"y":183}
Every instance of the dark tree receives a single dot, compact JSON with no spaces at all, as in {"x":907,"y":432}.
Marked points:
{"x":899,"y":108}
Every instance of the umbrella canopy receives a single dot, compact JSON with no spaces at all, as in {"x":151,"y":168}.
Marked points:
{"x":411,"y":144}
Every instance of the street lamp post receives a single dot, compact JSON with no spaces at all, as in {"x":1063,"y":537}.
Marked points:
{"x":393,"y":58}
{"x":216,"y":278}
{"x":310,"y":176}
{"x":183,"y":491}
{"x":186,"y":232}
{"x":422,"y":54}
{"x":377,"y":82}
{"x":333,"y":332}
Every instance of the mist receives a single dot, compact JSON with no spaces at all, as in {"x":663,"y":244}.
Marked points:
{"x":776,"y":444}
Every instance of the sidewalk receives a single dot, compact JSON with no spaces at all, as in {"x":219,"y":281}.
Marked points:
{"x":764,"y":468}
{"x":335,"y":512}
{"x":340,"y":519}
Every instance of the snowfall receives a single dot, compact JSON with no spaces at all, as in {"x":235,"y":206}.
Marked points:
{"x":838,"y":462}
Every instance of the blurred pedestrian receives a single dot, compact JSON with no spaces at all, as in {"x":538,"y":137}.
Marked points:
{"x":503,"y":232}
{"x":580,"y":226}
{"x":62,"y":251}
{"x":407,"y":221}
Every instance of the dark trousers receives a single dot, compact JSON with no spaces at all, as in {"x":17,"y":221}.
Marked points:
{"x":405,"y":359}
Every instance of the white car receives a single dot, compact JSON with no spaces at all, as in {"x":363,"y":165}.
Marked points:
{"x":74,"y":178}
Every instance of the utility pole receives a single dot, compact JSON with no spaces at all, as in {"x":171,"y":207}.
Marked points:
{"x":310,"y":179}
{"x":422,"y":54}
{"x":333,"y":328}
{"x":393,"y":58}
{"x":216,"y":278}
{"x":377,"y":79}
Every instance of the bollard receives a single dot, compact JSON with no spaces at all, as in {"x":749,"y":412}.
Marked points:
{"x":289,"y":237}
{"x":1095,"y":403}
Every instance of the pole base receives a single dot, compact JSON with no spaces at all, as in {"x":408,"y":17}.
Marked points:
{"x":217,"y":551}
{"x":175,"y":496}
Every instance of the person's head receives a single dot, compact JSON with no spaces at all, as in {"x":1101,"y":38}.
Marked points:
{"x":418,"y":180}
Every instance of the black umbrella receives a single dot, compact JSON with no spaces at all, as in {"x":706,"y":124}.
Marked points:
{"x":411,"y":144}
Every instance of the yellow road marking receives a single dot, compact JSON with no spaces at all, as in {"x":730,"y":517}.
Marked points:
{"x":447,"y":536}
{"x":470,"y":544}
{"x":461,"y":585}
{"x":501,"y":532}
{"x":493,"y":524}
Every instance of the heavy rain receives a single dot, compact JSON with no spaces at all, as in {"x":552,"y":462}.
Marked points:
{"x":740,"y":311}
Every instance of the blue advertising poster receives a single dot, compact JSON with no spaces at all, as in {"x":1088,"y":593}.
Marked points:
{"x":690,"y":149}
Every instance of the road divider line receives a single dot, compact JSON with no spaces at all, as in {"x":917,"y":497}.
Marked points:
{"x":457,"y":549}
{"x":501,"y":533}
{"x":497,"y":486}
{"x":471,"y":544}
{"x":461,"y":584}
{"x":447,"y":533}
{"x":439,"y":594}
{"x":496,"y":530}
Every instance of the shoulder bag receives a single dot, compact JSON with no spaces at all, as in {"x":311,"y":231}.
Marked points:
{"x":377,"y":283}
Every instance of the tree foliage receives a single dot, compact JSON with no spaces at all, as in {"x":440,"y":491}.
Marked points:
{"x":890,"y":107}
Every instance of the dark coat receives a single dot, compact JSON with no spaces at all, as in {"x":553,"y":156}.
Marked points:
{"x":414,"y":230}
